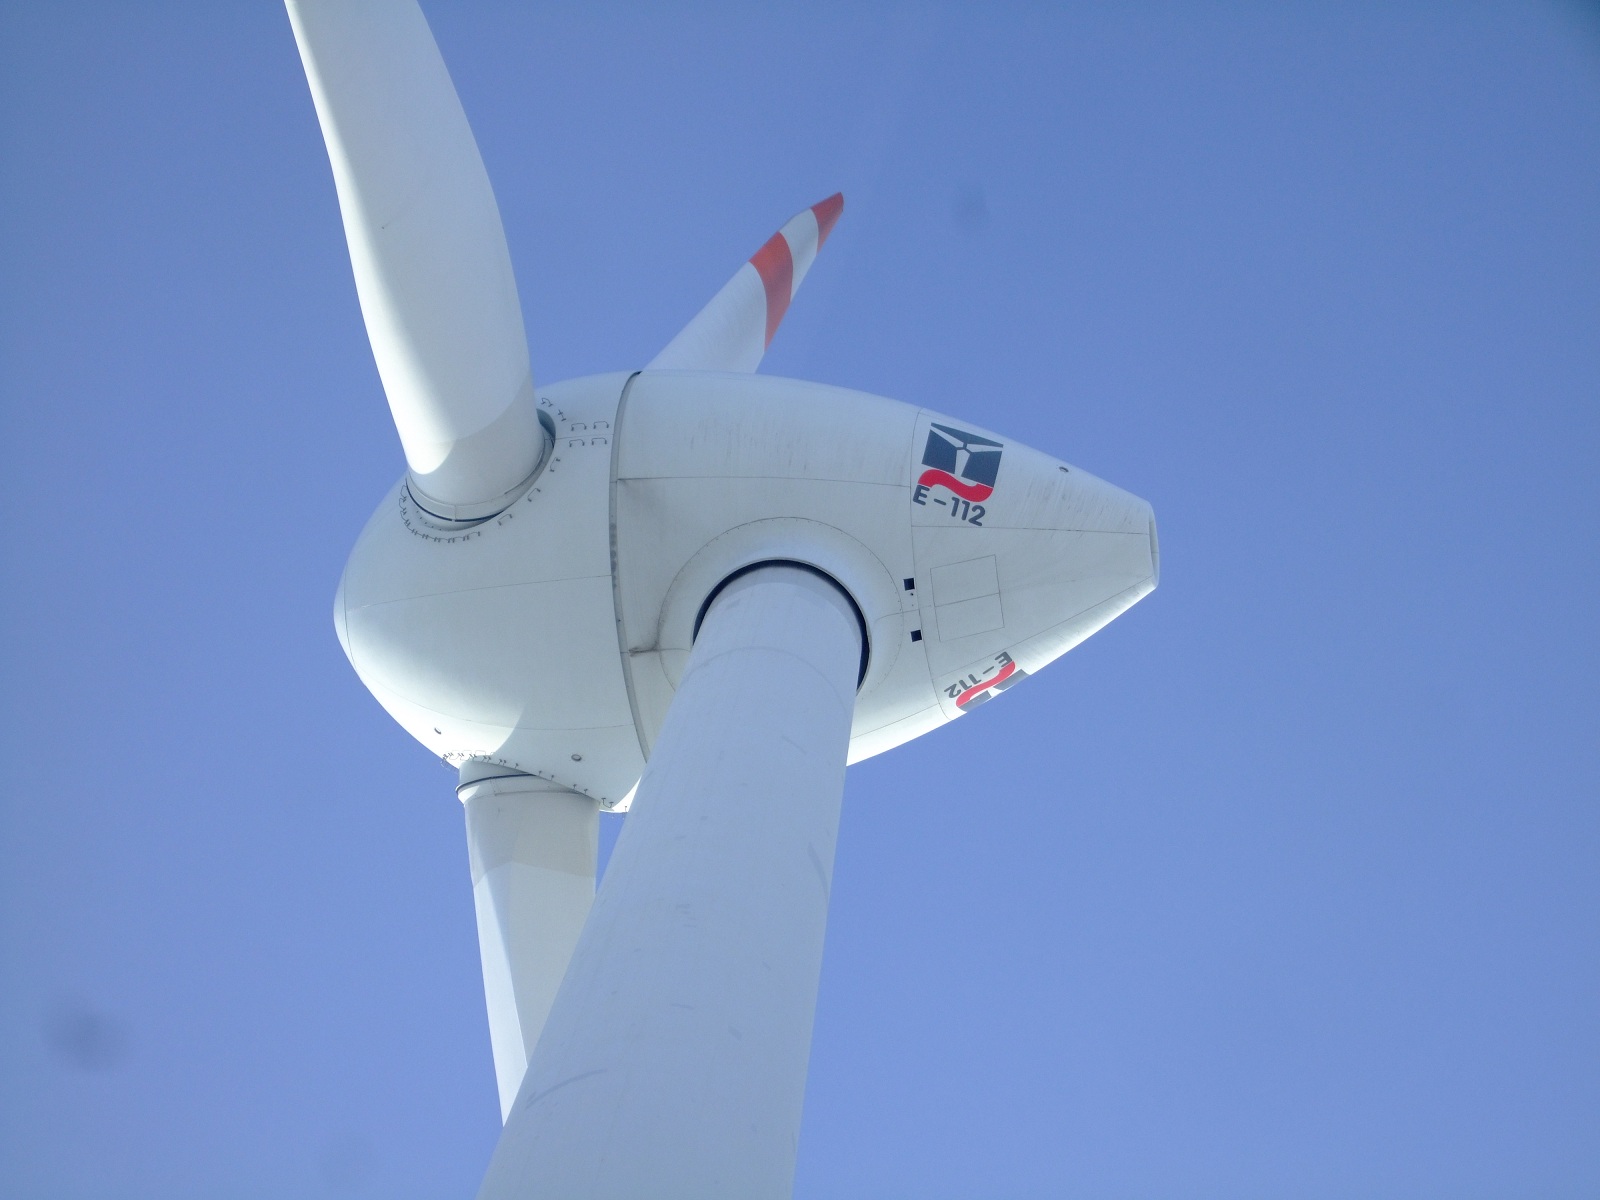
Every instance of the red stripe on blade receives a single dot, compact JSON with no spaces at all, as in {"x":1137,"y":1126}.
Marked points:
{"x":827,"y":213}
{"x":775,"y":264}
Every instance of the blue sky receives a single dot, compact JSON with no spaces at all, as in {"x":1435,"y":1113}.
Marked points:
{"x":1283,"y":885}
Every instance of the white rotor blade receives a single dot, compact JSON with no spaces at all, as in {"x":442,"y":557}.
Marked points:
{"x":532,"y":847}
{"x":673,"y":1063}
{"x":428,"y":249}
{"x":732,"y":333}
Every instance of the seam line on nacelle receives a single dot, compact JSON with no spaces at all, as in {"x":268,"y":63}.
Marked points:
{"x":904,"y":487}
{"x":623,"y":640}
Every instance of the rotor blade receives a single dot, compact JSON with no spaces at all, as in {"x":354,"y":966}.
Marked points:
{"x":429,"y":253}
{"x":732,"y":333}
{"x":674,"y":1060}
{"x":532,"y":847}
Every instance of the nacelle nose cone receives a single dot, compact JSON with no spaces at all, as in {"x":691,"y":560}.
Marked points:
{"x":1022,"y":557}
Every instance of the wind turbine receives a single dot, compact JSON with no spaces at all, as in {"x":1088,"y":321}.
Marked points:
{"x":690,"y":592}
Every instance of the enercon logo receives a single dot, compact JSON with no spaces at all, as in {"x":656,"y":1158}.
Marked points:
{"x":963,"y":462}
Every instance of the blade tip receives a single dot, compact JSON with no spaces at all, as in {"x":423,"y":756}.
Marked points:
{"x":827,"y":214}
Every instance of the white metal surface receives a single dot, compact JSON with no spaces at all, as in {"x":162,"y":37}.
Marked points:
{"x":673,"y":1063}
{"x":716,"y":470}
{"x":498,"y":643}
{"x":428,"y":251}
{"x":733,"y":331}
{"x":531,"y":845}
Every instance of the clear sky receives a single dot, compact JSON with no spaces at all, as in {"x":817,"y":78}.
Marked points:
{"x":1286,"y":884}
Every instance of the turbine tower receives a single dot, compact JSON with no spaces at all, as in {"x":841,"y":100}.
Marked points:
{"x":689,"y":592}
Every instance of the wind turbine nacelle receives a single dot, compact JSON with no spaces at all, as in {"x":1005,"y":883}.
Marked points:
{"x":550,"y":638}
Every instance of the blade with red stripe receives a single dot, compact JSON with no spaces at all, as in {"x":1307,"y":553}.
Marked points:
{"x":732,"y":332}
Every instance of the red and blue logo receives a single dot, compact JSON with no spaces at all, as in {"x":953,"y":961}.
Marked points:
{"x":963,"y":464}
